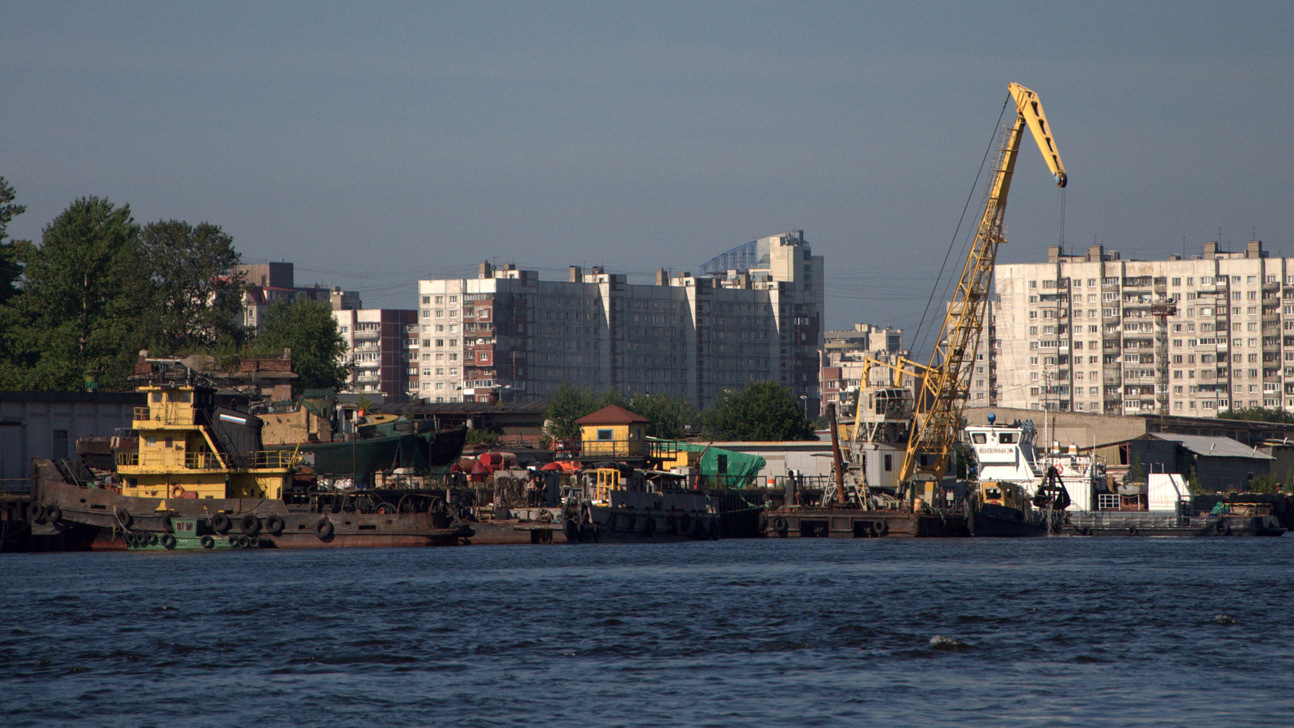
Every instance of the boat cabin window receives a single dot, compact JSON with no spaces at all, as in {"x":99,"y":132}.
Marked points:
{"x":889,"y":463}
{"x":978,"y":438}
{"x":1006,"y":438}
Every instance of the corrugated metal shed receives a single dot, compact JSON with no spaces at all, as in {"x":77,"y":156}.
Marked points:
{"x":1216,"y":447}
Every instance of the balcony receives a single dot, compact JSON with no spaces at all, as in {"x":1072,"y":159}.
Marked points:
{"x":368,"y":335}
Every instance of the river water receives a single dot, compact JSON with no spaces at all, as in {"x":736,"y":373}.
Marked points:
{"x":1031,"y":632}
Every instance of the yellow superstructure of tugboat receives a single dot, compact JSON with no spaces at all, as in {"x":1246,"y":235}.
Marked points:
{"x":178,"y":456}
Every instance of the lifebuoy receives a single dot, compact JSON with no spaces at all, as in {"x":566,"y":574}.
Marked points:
{"x":220,"y":523}
{"x":207,"y":542}
{"x":36,"y":512}
{"x":250,"y":525}
{"x":168,"y":541}
{"x":324,"y":529}
{"x":275,"y":525}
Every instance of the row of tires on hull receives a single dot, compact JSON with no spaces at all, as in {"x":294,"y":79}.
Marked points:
{"x":249,"y":524}
{"x":645,"y":524}
{"x":142,"y":540}
{"x":779,"y":526}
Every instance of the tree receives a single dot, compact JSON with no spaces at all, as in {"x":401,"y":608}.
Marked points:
{"x":10,"y":269}
{"x":84,"y":291}
{"x":569,"y":403}
{"x":762,"y":411}
{"x":197,"y":297}
{"x":1257,"y":414}
{"x":307,"y":328}
{"x":671,"y":417}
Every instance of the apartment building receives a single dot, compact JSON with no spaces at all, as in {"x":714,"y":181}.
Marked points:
{"x":754,"y":313}
{"x":1183,"y":336}
{"x":844,"y":359}
{"x":377,"y":339}
{"x":378,"y":342}
{"x":269,"y":282}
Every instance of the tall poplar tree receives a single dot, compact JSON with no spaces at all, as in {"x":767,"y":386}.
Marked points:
{"x":196,"y":296}
{"x":84,"y":291}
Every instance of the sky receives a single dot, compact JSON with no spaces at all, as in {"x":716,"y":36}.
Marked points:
{"x":375,"y":144}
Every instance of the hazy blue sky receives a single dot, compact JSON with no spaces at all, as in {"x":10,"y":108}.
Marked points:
{"x":375,"y":144}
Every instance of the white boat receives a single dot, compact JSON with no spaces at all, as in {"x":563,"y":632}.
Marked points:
{"x":1008,"y":453}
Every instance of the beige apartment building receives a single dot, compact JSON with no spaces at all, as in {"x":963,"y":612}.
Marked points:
{"x":1101,"y":334}
{"x":844,"y":361}
{"x":754,"y":313}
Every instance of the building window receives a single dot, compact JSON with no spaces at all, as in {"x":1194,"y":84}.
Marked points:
{"x":604,"y":435}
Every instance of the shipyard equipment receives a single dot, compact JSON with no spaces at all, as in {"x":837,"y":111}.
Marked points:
{"x":931,"y":423}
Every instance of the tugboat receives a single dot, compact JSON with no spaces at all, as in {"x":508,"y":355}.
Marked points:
{"x":200,"y":463}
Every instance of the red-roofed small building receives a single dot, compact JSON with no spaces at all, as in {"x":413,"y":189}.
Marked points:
{"x":613,"y":432}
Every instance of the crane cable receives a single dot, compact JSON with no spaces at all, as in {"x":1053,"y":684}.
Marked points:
{"x":922,"y":334}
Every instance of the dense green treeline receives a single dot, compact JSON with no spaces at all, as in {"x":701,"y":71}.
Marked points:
{"x":761,"y":411}
{"x":98,"y":288}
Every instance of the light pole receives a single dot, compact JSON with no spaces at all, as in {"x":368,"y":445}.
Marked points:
{"x":804,"y":405}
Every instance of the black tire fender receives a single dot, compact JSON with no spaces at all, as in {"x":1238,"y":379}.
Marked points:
{"x":220,"y":523}
{"x":168,"y":540}
{"x":124,"y":518}
{"x":275,"y":525}
{"x":324,"y":529}
{"x":207,"y":541}
{"x":54,"y":514}
{"x":779,"y":524}
{"x":250,"y":525}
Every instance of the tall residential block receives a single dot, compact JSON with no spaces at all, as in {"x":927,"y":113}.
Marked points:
{"x":1183,"y":336}
{"x":755,"y":313}
{"x":378,"y":342}
{"x":844,"y":361}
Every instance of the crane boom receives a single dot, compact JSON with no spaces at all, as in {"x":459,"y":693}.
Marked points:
{"x":943,"y":389}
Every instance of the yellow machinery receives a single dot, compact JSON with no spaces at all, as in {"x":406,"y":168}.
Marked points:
{"x":943,"y":383}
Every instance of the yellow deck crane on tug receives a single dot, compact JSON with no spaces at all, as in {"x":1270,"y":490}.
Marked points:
{"x":935,"y":418}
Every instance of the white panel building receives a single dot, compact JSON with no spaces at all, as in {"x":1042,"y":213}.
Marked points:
{"x":509,"y":335}
{"x":1183,"y":336}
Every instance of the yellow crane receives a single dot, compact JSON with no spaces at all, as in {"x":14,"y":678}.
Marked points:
{"x":944,"y":382}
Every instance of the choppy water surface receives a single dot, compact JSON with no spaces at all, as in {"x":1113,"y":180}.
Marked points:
{"x":735,"y":633}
